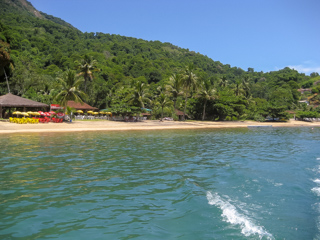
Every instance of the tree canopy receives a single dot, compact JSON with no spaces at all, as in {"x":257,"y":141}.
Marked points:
{"x":36,"y":48}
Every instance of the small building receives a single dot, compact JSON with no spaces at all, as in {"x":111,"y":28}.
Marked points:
{"x":304,"y":101}
{"x":146,"y":115}
{"x":303,"y":90}
{"x":180,"y":114}
{"x":81,"y":106}
{"x":9,"y":101}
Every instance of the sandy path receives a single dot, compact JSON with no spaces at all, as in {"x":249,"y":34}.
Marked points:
{"x":104,"y":125}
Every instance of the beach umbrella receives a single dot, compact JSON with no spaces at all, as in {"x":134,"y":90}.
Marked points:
{"x":30,"y":113}
{"x":16,"y":113}
{"x":36,"y":114}
{"x":95,"y":113}
{"x":47,"y":114}
{"x":60,"y":114}
{"x":79,"y":111}
{"x":52,"y":113}
{"x":90,"y":112}
{"x":102,"y":112}
{"x":24,"y":114}
{"x":41,"y":113}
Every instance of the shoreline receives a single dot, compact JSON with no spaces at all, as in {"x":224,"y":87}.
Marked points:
{"x":105,"y":125}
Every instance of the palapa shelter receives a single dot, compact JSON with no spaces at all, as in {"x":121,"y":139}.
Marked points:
{"x":179,"y":114}
{"x":81,"y":106}
{"x":12,"y":101}
{"x":147,"y":115}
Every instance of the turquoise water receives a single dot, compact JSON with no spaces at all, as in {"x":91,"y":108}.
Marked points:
{"x":208,"y":184}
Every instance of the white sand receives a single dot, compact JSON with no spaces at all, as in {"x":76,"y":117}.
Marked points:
{"x":104,"y":125}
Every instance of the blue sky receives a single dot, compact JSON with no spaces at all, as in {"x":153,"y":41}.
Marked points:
{"x":266,"y":35}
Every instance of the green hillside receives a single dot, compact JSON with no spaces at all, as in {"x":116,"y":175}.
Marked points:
{"x":36,"y":48}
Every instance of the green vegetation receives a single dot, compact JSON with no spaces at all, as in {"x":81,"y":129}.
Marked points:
{"x":126,"y":74}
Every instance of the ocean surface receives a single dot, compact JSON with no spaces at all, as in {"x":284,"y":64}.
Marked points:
{"x":255,"y":183}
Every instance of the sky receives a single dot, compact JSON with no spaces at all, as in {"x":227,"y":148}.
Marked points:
{"x":266,"y":35}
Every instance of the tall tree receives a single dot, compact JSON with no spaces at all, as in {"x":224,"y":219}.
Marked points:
{"x":238,"y":90}
{"x":223,"y":82}
{"x":140,"y":94}
{"x":86,"y":67}
{"x":189,"y":83}
{"x":163,"y":101}
{"x":175,"y":87}
{"x":5,"y":60}
{"x":206,"y":92}
{"x":246,"y":86}
{"x":69,"y":89}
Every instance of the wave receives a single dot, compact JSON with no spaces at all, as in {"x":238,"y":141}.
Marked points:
{"x":316,"y":190}
{"x":231,"y":215}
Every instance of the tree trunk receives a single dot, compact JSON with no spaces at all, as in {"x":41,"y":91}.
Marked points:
{"x":161,"y":114}
{"x":6,"y":79}
{"x":185,"y":108}
{"x":85,"y":85}
{"x":204,"y":110}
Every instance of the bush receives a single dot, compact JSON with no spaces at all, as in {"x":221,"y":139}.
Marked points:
{"x":259,"y":118}
{"x":307,"y":84}
{"x":307,"y":114}
{"x":228,"y":118}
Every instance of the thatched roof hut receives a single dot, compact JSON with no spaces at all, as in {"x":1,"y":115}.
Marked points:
{"x":12,"y":101}
{"x":179,"y":114}
{"x":79,"y":106}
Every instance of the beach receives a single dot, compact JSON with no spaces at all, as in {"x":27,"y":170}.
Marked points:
{"x":104,"y":125}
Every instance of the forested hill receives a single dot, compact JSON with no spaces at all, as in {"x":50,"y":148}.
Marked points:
{"x":36,"y":48}
{"x":24,"y":7}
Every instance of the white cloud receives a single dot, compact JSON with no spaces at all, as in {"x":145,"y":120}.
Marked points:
{"x":306,"y":67}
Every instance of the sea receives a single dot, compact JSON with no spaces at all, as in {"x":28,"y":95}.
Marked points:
{"x":246,"y":183}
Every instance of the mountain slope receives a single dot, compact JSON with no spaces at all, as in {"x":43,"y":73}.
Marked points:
{"x":42,"y":46}
{"x":25,"y":7}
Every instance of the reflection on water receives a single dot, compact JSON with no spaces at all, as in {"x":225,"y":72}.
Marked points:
{"x":155,"y":185}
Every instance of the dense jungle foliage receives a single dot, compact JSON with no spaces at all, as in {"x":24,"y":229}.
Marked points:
{"x":126,"y":74}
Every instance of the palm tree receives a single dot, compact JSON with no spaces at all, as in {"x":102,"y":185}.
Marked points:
{"x":164,"y":101}
{"x":86,"y":67}
{"x":206,"y":92}
{"x":69,"y":89}
{"x":189,"y":82}
{"x":238,"y":87}
{"x":175,"y":87}
{"x":246,"y":86}
{"x":5,"y":60}
{"x":140,"y":94}
{"x":223,"y":82}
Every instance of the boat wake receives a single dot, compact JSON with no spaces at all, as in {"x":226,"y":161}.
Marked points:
{"x":316,"y":191}
{"x":231,"y":215}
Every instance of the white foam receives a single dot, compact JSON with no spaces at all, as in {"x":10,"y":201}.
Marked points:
{"x":278,"y":184}
{"x":316,"y":180}
{"x":316,"y":190}
{"x":318,"y":158}
{"x":231,"y":215}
